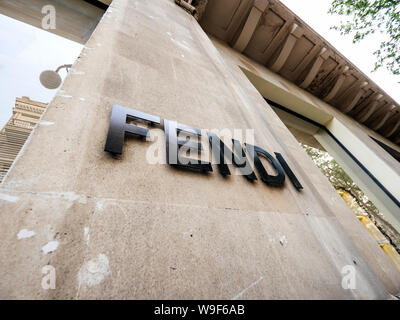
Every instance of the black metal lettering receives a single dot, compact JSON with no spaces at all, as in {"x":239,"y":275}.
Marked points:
{"x":289,"y":171}
{"x":275,"y":181}
{"x":173,"y":144}
{"x":119,"y":128}
{"x":221,"y":153}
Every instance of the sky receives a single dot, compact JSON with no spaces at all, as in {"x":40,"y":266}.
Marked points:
{"x":26,"y":51}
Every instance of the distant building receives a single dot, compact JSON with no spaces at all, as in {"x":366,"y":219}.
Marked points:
{"x":26,"y":114}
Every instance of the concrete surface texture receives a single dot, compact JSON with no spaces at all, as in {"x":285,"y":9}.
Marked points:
{"x":128,"y":229}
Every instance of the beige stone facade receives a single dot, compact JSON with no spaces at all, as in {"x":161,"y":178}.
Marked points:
{"x":126,"y":228}
{"x":25,"y":115}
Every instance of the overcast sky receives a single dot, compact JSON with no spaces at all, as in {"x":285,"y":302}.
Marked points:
{"x":26,"y":51}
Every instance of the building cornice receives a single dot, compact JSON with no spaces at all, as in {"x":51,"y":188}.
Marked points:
{"x":271,"y":34}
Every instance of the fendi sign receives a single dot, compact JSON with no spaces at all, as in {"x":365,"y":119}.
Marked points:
{"x":177,"y":147}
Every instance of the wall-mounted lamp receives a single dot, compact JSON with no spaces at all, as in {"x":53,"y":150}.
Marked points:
{"x":187,"y":5}
{"x":51,"y":79}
